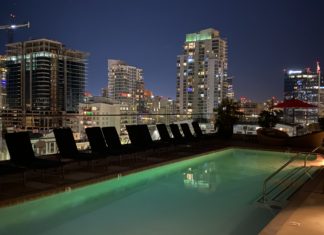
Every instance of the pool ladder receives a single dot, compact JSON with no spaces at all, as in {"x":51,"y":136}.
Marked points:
{"x":279,"y":187}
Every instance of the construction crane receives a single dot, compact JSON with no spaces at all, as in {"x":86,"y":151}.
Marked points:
{"x":11,"y":27}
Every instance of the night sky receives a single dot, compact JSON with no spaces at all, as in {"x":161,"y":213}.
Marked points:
{"x":264,"y":37}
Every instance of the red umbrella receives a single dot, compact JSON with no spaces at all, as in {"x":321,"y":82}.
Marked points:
{"x":294,"y":103}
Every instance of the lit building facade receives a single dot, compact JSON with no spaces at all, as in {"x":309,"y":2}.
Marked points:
{"x":250,"y":109}
{"x":44,"y":79}
{"x":160,"y":109}
{"x":202,"y":80}
{"x":99,"y":111}
{"x":126,"y":85}
{"x":307,"y":86}
{"x":3,"y":82}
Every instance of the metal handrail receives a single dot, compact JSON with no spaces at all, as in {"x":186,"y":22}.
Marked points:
{"x":273,"y":174}
{"x":264,"y":191}
{"x":310,"y":153}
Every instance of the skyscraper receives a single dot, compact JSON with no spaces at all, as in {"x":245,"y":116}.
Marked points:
{"x":307,"y":86}
{"x":202,"y":80}
{"x":126,"y":84}
{"x":44,"y":78}
{"x":3,"y":82}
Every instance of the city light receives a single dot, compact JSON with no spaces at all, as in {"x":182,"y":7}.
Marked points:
{"x":295,"y":71}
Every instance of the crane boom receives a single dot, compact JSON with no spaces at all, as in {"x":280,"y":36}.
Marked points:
{"x":15,"y":26}
{"x":11,"y":27}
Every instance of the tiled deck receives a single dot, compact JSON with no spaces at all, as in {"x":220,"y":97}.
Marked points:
{"x":303,"y":215}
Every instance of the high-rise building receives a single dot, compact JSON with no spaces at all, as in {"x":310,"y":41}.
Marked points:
{"x":44,"y":79}
{"x":3,"y":82}
{"x":307,"y":86}
{"x":202,"y":80}
{"x":164,"y":106}
{"x":126,"y":84}
{"x":303,"y":85}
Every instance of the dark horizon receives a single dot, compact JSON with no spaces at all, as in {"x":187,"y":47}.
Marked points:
{"x":263,"y":38}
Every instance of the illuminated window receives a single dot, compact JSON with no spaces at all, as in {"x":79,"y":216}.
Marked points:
{"x":191,"y":45}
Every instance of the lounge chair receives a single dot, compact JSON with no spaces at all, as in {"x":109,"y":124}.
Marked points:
{"x":197,"y":129}
{"x":113,"y":141}
{"x":134,"y":137}
{"x":140,"y":138}
{"x":187,"y":132}
{"x":164,"y":134}
{"x":97,"y":140}
{"x":22,"y":153}
{"x":68,"y":148}
{"x":178,"y":137}
{"x":199,"y":133}
{"x":147,"y":138}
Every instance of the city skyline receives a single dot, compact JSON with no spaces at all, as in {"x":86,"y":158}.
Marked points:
{"x":263,"y":38}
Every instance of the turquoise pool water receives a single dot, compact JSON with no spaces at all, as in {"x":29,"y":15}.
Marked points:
{"x":211,"y":194}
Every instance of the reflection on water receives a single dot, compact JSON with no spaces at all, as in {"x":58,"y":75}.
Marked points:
{"x":204,"y":177}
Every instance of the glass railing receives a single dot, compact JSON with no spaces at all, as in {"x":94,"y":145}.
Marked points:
{"x":42,"y":136}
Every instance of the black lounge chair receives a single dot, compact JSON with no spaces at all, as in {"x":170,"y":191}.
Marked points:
{"x":68,"y":148}
{"x":134,"y":137}
{"x":187,"y":132}
{"x":140,"y":138}
{"x":199,"y":132}
{"x":147,"y":138}
{"x":178,"y":137}
{"x":97,"y":140}
{"x":164,"y":134}
{"x":22,"y":154}
{"x":197,"y":129}
{"x":137,"y":142}
{"x":113,"y":141}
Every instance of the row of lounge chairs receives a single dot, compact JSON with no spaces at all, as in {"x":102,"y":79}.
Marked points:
{"x":104,"y":143}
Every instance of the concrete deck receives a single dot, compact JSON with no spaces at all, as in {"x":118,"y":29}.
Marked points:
{"x":304,"y":214}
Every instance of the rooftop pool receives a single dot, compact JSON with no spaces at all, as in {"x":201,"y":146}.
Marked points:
{"x":209,"y":194}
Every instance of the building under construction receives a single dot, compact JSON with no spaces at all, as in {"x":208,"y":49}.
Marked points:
{"x":45,"y":80}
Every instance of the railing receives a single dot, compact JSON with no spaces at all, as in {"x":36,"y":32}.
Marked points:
{"x":310,"y":153}
{"x":42,"y":126}
{"x":292,"y":159}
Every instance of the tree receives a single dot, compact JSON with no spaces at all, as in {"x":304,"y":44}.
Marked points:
{"x":227,"y":115}
{"x":268,"y":118}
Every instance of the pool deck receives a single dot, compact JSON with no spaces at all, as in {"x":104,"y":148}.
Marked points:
{"x":304,"y":214}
